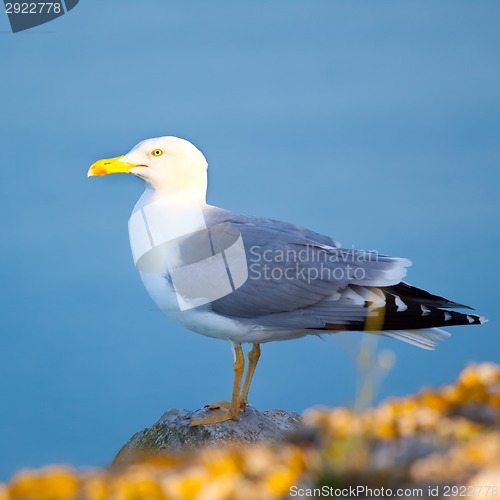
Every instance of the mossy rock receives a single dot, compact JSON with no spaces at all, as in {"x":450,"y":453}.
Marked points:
{"x":173,"y":432}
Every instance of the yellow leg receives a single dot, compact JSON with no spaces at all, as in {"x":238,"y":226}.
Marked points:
{"x":253,"y":359}
{"x":222,"y":411}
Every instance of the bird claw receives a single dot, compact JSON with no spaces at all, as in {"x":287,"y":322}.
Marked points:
{"x":226,"y":405}
{"x":220,"y":404}
{"x":218,"y":413}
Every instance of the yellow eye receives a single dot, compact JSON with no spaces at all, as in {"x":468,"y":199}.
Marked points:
{"x":157,"y":152}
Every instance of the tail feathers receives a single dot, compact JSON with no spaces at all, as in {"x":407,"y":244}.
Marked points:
{"x":400,"y":311}
{"x":417,"y":315}
{"x":394,"y":314}
{"x":425,"y":339}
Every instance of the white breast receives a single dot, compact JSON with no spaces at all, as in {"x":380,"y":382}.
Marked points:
{"x":157,"y":221}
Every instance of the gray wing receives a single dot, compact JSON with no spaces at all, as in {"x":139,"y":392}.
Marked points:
{"x":294,"y":275}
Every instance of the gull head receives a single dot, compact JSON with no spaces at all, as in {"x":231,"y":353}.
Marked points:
{"x":165,"y":163}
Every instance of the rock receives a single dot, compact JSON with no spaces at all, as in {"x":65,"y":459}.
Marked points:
{"x":401,"y":453}
{"x":173,"y":432}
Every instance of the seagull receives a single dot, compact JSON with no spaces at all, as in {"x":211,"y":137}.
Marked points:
{"x":255,"y":280}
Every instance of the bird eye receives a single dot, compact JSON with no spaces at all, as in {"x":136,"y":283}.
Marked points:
{"x":157,"y":152}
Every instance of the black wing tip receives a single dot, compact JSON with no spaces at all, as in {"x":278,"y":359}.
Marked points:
{"x":456,"y":305}
{"x":405,"y":290}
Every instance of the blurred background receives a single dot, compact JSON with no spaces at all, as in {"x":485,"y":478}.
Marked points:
{"x":375,"y":122}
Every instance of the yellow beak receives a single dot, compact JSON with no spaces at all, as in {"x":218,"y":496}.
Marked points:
{"x":110,"y":166}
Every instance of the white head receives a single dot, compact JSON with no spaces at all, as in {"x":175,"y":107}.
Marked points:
{"x":166,"y":164}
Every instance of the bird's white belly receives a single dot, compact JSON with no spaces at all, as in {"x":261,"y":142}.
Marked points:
{"x":207,"y":322}
{"x":200,"y":321}
{"x":154,"y":222}
{"x":161,"y":291}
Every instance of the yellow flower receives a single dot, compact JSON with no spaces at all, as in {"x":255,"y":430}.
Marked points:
{"x":190,"y":488}
{"x":227,"y":463}
{"x":469,"y":378}
{"x":451,"y":394}
{"x":136,"y":483}
{"x":95,"y":488}
{"x":186,"y":486}
{"x":494,"y":400}
{"x":434,"y":401}
{"x":280,"y":481}
{"x":386,"y":430}
{"x":54,"y":483}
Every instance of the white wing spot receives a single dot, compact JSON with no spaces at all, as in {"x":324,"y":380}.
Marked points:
{"x":470,"y":319}
{"x":447,"y":316}
{"x":401,"y":305}
{"x":425,"y":310}
{"x":349,"y":293}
